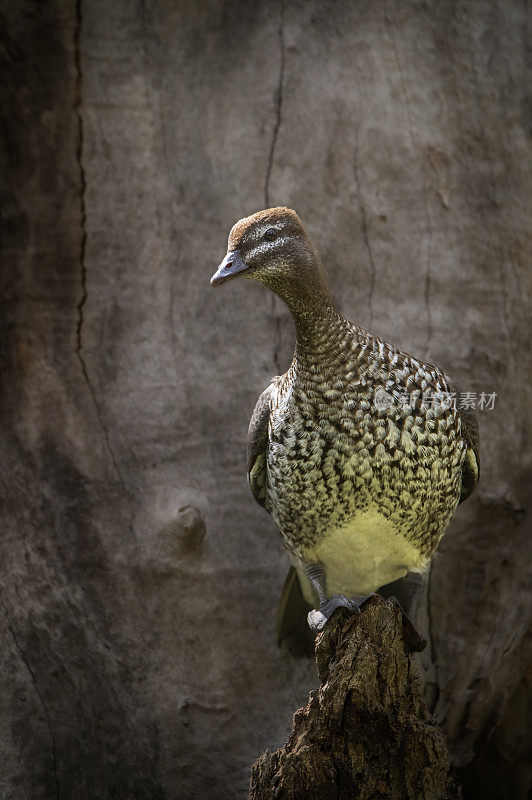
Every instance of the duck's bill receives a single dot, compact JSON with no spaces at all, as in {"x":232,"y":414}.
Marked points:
{"x":232,"y":265}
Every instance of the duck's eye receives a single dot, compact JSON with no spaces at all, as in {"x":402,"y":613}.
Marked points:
{"x":270,"y":234}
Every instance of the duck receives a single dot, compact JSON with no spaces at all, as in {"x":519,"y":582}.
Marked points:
{"x":359,"y":451}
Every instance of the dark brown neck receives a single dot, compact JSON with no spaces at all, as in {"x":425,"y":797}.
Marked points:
{"x":315,"y":326}
{"x":320,"y":340}
{"x":319,"y":327}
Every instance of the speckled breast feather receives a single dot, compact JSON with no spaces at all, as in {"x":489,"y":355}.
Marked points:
{"x":333,"y":453}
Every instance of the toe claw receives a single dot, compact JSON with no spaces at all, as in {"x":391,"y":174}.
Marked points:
{"x":317,"y":618}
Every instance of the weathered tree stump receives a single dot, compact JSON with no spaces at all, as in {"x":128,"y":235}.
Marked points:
{"x":366,"y":732}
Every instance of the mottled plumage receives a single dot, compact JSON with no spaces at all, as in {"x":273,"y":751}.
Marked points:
{"x":355,"y":478}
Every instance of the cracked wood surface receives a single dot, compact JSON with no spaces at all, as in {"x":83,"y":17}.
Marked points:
{"x":31,"y":673}
{"x":364,"y":223}
{"x":139,"y":578}
{"x":366,"y":731}
{"x":275,"y":302}
{"x":78,"y":105}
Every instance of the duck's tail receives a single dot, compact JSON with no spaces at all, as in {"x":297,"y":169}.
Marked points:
{"x":291,"y":626}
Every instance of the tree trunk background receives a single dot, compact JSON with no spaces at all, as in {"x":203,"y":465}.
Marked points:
{"x":139,"y":579}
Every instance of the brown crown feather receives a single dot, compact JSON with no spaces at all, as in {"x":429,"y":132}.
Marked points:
{"x":273,"y":215}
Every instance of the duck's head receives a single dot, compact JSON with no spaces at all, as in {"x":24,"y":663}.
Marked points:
{"x":272,"y":247}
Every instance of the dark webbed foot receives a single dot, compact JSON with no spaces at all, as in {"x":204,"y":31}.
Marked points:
{"x":414,"y":639}
{"x":317,"y":618}
{"x":405,"y":593}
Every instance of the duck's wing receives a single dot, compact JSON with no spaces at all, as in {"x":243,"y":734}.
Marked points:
{"x":471,"y":466}
{"x":257,"y":446}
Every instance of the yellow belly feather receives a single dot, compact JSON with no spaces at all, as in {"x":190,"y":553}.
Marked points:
{"x":361,"y":557}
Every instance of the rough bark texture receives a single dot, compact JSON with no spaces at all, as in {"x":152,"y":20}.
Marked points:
{"x":366,"y":732}
{"x":139,"y":579}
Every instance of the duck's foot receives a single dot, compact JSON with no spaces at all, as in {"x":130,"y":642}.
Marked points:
{"x":405,"y":593}
{"x":318,"y":617}
{"x":415,"y":641}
